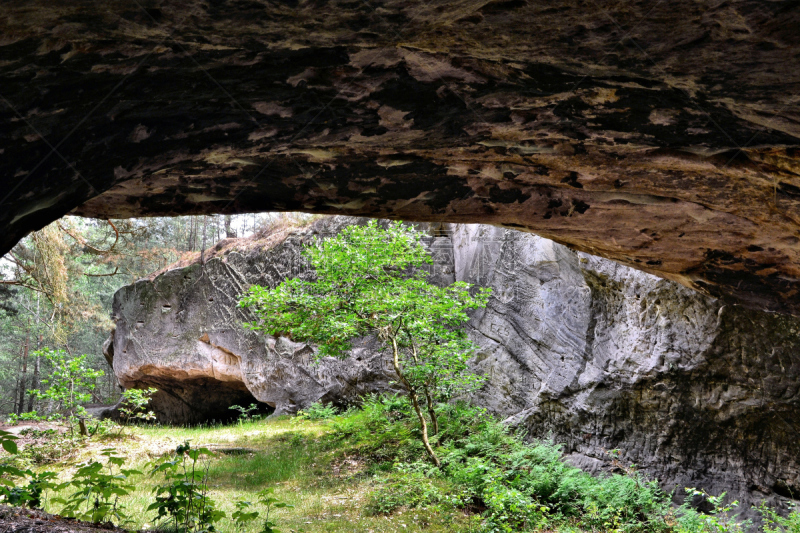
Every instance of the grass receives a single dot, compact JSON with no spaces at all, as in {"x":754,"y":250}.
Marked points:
{"x":326,"y":488}
{"x":364,"y":471}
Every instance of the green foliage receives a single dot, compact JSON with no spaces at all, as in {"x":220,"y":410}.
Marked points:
{"x":244,"y":412}
{"x":718,"y":520}
{"x":269,"y":502}
{"x":183,"y":496}
{"x":98,"y":488}
{"x":133,"y":405}
{"x":33,"y":416}
{"x":8,"y":441}
{"x":70,"y":383}
{"x":516,"y":485}
{"x":774,"y":523}
{"x":373,"y":280}
{"x":317,"y":411}
{"x":24,"y":487}
{"x":412,"y":490}
{"x":48,"y":446}
{"x":21,"y":487}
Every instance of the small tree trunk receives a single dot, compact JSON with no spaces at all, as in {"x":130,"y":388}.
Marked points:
{"x":203,"y":249}
{"x":23,"y":378}
{"x":426,"y":389}
{"x":415,"y":402}
{"x":229,"y":233}
{"x":35,"y":382}
{"x":15,"y":396}
{"x":431,"y":412}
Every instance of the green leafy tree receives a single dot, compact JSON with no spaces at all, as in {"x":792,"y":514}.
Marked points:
{"x":134,"y":406}
{"x":70,"y":383}
{"x":373,"y":280}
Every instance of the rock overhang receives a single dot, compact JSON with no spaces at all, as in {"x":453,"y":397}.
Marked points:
{"x":665,"y":136}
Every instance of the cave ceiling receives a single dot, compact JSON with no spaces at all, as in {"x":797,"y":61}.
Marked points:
{"x":662,"y":134}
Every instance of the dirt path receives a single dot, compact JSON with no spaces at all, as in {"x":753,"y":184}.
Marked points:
{"x":18,"y":520}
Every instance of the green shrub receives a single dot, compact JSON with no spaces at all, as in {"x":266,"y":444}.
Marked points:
{"x":98,"y":488}
{"x":719,"y":520}
{"x":18,"y":486}
{"x":516,"y":485}
{"x":774,"y":523}
{"x":411,"y":490}
{"x":182,"y":499}
{"x":245,"y":413}
{"x":317,"y":411}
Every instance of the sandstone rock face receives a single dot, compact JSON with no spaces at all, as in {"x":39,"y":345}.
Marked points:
{"x":663,"y":135}
{"x":599,"y":357}
{"x":183,"y":333}
{"x":576,"y":348}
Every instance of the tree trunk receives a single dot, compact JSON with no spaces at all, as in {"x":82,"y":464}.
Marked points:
{"x":35,"y":382}
{"x":15,"y":396}
{"x":415,"y":402}
{"x":23,"y":377}
{"x":426,"y":389}
{"x":431,"y":412}
{"x":203,"y":248}
{"x":229,"y":232}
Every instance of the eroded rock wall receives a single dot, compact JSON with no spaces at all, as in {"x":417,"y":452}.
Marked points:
{"x":599,"y":357}
{"x":590,"y":353}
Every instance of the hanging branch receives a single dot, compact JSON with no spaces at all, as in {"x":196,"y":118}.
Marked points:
{"x":91,"y":248}
{"x":116,"y":270}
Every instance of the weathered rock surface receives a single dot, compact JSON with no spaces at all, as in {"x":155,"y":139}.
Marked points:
{"x":663,"y":135}
{"x":182,"y":333}
{"x":576,"y":348}
{"x":599,"y":356}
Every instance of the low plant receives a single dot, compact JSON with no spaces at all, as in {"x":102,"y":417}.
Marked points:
{"x":412,"y":490}
{"x":98,"y":488}
{"x":270,"y":503}
{"x":8,"y":442}
{"x":775,"y":523}
{"x":18,"y":486}
{"x":317,"y":411}
{"x":182,"y":499}
{"x":245,"y":514}
{"x":30,"y":416}
{"x":719,"y":519}
{"x":245,"y":413}
{"x":134,"y":405}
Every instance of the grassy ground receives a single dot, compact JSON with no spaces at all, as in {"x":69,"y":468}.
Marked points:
{"x":366,"y":471}
{"x":326,"y":487}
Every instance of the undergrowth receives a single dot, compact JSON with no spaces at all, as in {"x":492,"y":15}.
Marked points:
{"x":362,"y":470}
{"x":514,"y":485}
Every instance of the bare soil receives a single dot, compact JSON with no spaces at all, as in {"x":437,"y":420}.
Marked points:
{"x":19,"y":520}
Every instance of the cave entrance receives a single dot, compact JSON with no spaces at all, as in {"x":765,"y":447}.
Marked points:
{"x":201,"y":401}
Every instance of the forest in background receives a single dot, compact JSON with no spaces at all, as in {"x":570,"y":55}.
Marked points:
{"x":57,"y":286}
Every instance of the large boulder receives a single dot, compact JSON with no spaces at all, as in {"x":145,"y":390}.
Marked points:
{"x":663,"y":135}
{"x":575,"y":348}
{"x":183,"y":333}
